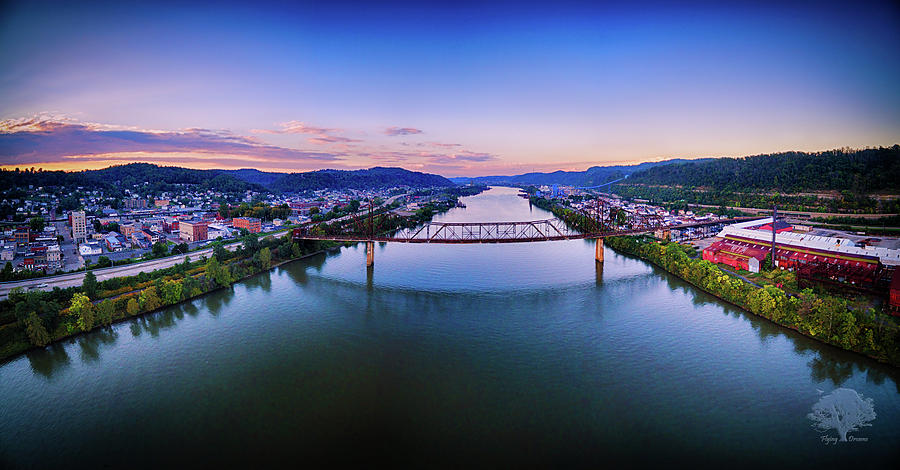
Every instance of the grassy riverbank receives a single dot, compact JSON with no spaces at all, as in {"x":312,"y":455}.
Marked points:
{"x":847,"y":324}
{"x":820,"y":316}
{"x":37,"y":318}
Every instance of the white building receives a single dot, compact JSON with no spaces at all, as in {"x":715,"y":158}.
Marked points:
{"x":90,"y":248}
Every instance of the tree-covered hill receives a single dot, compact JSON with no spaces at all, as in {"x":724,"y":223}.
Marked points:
{"x":373,"y":178}
{"x":593,"y":176}
{"x":163,"y":178}
{"x":860,"y":171}
{"x":127,"y":176}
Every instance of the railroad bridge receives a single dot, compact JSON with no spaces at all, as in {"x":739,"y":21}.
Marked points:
{"x":497,"y":232}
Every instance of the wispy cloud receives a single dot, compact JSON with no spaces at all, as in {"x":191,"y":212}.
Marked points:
{"x":396,"y":131}
{"x":320,"y":135}
{"x":49,"y":139}
{"x":58,"y":141}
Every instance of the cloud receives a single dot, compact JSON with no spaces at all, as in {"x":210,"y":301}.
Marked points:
{"x":434,"y":158}
{"x":442,"y":145}
{"x":331,"y":139}
{"x":61,"y":142}
{"x":395,"y":131}
{"x":49,"y":139}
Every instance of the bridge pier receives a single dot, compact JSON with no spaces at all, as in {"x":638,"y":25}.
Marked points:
{"x":370,"y":253}
{"x":598,"y":254}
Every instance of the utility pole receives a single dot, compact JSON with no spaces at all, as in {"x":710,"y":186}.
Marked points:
{"x":774,"y":231}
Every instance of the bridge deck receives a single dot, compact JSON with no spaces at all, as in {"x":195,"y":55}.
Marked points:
{"x":497,"y":232}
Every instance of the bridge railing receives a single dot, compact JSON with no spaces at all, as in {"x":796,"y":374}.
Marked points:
{"x":488,"y":232}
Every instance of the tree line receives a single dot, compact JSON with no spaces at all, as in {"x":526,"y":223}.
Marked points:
{"x":856,"y":170}
{"x":36,"y":318}
{"x":824,"y":317}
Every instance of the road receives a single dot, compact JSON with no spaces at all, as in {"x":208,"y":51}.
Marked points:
{"x":76,"y":279}
{"x":800,"y":214}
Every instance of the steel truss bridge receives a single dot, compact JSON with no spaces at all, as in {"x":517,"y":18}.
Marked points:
{"x":597,"y":219}
{"x":495,"y":232}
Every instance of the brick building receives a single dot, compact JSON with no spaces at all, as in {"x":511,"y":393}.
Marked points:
{"x":193,"y":230}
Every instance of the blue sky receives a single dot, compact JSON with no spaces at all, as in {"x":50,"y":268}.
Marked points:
{"x":480,"y":88}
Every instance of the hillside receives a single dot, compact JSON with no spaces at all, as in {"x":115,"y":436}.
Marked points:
{"x":373,"y":178}
{"x":591,"y":177}
{"x":125,"y":176}
{"x":163,"y":178}
{"x":859,"y":171}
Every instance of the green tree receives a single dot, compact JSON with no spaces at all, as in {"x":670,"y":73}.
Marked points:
{"x":104,"y":262}
{"x":250,"y":243}
{"x":171,"y":291}
{"x":149,"y":299}
{"x":218,"y":273}
{"x":132,"y":307}
{"x":90,"y":285}
{"x":105,"y":312}
{"x":83,"y":310}
{"x":265,"y":258}
{"x":160,"y":249}
{"x":295,"y":250}
{"x":34,"y":327}
{"x":7,"y":274}
{"x":36,"y":224}
{"x":220,"y":252}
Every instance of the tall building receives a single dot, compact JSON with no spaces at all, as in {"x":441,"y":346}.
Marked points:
{"x":193,"y":230}
{"x":135,"y":203}
{"x":79,"y":225}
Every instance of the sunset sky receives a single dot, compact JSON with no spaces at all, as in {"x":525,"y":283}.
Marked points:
{"x":455,"y":88}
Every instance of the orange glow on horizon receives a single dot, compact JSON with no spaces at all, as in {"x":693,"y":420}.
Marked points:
{"x":208,"y":161}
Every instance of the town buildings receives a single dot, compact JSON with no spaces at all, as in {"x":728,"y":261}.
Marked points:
{"x":193,"y":230}
{"x":251,"y":224}
{"x":745,"y":245}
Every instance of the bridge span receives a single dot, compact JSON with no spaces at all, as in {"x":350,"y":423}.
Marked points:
{"x":492,"y":232}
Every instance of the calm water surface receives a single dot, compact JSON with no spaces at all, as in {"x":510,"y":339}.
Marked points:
{"x":440,"y":354}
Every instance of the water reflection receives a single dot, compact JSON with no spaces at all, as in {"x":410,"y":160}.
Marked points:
{"x":48,"y":360}
{"x":836,"y":366}
{"x":822,"y":368}
{"x":90,"y":344}
{"x":262,"y":280}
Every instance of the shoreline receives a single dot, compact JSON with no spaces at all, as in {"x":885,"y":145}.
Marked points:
{"x":880,"y":360}
{"x":10,"y":358}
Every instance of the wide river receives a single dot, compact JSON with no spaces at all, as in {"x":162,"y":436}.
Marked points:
{"x":516,"y":354}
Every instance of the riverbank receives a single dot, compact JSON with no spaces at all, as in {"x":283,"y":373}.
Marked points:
{"x":37,"y":319}
{"x":825,"y":318}
{"x":30,"y":320}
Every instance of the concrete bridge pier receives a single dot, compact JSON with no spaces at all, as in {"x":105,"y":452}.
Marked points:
{"x":598,"y":254}
{"x":370,"y":253}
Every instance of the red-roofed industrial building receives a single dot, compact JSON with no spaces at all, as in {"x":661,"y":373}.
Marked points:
{"x":895,"y":293}
{"x":737,"y":254}
{"x":780,"y":227}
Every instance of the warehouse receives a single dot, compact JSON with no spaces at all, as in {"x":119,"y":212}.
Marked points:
{"x":833,"y":258}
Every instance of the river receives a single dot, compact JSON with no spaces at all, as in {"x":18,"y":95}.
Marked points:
{"x":511,"y":354}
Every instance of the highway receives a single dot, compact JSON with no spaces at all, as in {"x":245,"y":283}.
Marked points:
{"x":76,"y":279}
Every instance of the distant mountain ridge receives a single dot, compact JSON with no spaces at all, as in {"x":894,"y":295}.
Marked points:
{"x":858,"y":170}
{"x":372,"y":178}
{"x":164,"y":178}
{"x":593,"y":176}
